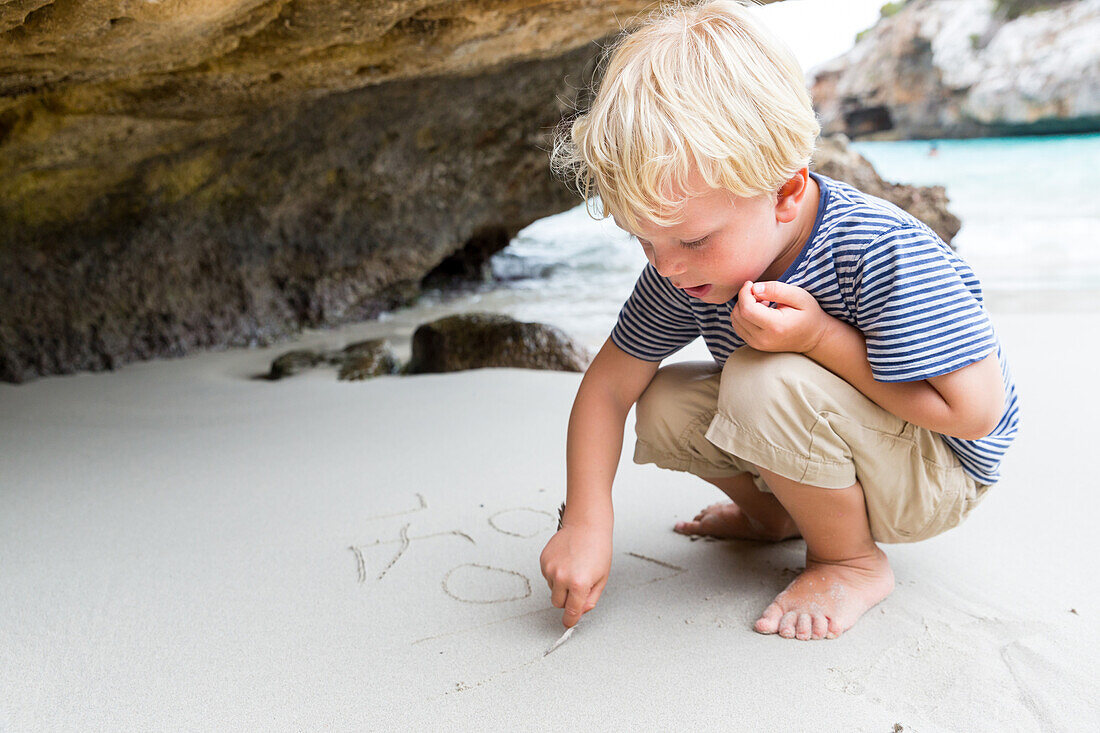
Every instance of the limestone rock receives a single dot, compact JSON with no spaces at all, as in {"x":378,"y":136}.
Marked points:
{"x":206,"y":173}
{"x":962,"y":68}
{"x":478,"y":340}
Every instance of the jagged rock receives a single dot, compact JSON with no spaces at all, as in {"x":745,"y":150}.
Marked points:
{"x":294,"y":362}
{"x":311,"y":215}
{"x":963,"y":68}
{"x":835,"y":159}
{"x":478,"y":340}
{"x":194,"y":174}
{"x":365,"y":360}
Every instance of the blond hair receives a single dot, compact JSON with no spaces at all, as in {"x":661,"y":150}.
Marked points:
{"x":703,"y":88}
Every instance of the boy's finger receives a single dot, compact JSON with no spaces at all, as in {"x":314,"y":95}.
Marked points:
{"x":594,"y":597}
{"x":744,"y":295}
{"x":743,"y":327}
{"x":558,"y":595}
{"x":574,"y":607}
{"x":757,"y":314}
{"x":779,"y":292}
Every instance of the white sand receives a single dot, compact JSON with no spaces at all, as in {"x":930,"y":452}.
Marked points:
{"x":174,"y":554}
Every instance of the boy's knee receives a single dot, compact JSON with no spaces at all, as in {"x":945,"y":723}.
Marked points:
{"x":677,"y":396}
{"x":759,"y":385}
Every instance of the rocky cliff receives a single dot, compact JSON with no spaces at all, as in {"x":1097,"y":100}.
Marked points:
{"x":185,"y":174}
{"x":964,"y":68}
{"x":202,"y":173}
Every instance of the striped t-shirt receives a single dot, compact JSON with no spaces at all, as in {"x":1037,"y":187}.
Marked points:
{"x":867,"y":262}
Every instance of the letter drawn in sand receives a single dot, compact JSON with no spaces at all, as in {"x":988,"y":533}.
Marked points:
{"x":677,"y":570}
{"x":662,"y":563}
{"x":360,"y":563}
{"x":522,"y":522}
{"x":422,"y":506}
{"x":473,"y":583}
{"x":400,"y":551}
{"x":403,"y":540}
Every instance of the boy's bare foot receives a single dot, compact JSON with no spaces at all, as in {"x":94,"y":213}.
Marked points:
{"x":828,"y":598}
{"x":728,"y":520}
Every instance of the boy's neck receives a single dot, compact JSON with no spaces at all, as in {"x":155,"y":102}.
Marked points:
{"x":801,"y":229}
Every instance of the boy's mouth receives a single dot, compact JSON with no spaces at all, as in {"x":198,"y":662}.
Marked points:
{"x":698,"y":291}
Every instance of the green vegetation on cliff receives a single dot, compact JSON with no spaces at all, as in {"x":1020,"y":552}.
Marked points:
{"x":1012,"y":9}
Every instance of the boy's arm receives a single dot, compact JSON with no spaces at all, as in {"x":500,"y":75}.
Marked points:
{"x":966,"y":403}
{"x":577,"y":559}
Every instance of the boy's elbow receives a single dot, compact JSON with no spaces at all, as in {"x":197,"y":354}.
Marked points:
{"x":978,"y":431}
{"x":979,"y":424}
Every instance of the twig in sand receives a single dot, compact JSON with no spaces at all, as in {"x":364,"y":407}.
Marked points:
{"x":561,"y":640}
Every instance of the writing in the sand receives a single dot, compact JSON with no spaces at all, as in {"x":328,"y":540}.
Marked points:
{"x":467,"y":582}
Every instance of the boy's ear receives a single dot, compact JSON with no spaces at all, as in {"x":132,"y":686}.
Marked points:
{"x":790,"y":196}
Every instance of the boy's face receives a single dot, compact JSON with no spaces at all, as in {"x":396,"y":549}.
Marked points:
{"x":723,"y":242}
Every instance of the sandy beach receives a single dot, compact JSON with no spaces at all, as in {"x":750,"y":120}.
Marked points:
{"x":187,"y":548}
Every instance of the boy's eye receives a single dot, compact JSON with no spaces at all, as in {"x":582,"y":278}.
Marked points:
{"x":693,"y":245}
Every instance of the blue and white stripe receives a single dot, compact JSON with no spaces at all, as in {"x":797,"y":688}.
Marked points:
{"x":868,"y":263}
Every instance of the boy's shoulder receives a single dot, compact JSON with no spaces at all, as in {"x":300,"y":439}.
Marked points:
{"x":849,"y":208}
{"x":855,"y":225}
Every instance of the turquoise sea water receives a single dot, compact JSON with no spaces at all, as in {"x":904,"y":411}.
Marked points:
{"x":1031,"y":230}
{"x":1030,"y":206}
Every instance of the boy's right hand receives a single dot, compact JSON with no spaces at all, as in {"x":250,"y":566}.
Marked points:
{"x":576,"y":563}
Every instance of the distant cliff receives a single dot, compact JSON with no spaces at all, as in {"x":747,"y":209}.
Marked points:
{"x":965,"y":68}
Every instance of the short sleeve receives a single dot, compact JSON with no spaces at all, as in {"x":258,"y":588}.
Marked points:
{"x":919,"y":307}
{"x":656,"y":321}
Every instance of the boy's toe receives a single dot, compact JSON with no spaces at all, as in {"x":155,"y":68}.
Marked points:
{"x":820,"y":626}
{"x":768,"y":623}
{"x":803,"y":627}
{"x":786,"y":624}
{"x":687,"y":527}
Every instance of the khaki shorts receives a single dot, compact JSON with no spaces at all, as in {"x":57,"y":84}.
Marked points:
{"x":787,"y":414}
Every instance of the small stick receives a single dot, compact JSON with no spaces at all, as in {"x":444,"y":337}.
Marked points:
{"x":568,"y":632}
{"x":564,"y":637}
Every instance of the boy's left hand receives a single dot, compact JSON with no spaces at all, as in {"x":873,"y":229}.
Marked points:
{"x":797,"y":323}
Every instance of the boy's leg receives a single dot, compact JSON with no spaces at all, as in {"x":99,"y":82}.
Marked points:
{"x":672,"y":417}
{"x":805,"y":431}
{"x":846,"y":573}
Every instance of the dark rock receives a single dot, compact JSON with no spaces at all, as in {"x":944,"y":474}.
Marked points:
{"x":294,"y":362}
{"x":477,"y":340}
{"x":365,"y":360}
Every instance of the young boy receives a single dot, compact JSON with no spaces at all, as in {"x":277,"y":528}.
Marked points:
{"x":858,"y":392}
